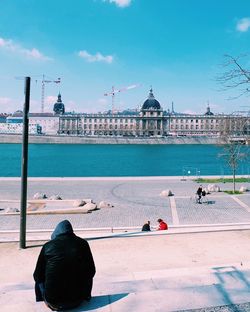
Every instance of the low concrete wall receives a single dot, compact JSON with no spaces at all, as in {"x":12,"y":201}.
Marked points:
{"x":107,"y":140}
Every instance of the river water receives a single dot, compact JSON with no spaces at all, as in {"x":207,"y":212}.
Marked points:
{"x":67,"y":160}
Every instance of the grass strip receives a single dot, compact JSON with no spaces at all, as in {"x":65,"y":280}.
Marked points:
{"x":222,"y":180}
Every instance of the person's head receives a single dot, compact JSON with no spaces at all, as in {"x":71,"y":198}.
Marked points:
{"x":148,"y":222}
{"x":159,"y":220}
{"x":63,"y":227}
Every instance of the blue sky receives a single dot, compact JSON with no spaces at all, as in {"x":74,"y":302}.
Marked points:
{"x":176,"y":46}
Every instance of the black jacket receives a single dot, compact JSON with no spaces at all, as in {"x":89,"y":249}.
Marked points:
{"x":65,"y":266}
{"x":145,"y":227}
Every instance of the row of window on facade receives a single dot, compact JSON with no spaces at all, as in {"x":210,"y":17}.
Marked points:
{"x":121,"y":120}
{"x":194,"y":127}
{"x":100,"y":126}
{"x":212,"y":121}
{"x":195,"y":120}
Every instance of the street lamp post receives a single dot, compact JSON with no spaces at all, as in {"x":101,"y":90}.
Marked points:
{"x":23,"y":205}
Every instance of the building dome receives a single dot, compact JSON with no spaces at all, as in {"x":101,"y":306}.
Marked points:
{"x":151,"y":102}
{"x":208,"y":112}
{"x":59,"y":106}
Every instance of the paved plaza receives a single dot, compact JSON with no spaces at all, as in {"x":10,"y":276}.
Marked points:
{"x":135,"y":200}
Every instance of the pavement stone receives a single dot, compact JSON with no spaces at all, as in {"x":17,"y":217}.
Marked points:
{"x":244,"y":307}
{"x":221,"y":210}
{"x":245,"y":198}
{"x":134,"y":200}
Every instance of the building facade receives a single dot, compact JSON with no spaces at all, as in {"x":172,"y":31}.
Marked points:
{"x":17,"y":128}
{"x":152,"y":121}
{"x":46,"y":123}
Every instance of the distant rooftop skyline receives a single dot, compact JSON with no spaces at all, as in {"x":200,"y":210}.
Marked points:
{"x":176,"y":46}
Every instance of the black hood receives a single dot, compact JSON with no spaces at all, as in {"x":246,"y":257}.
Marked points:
{"x":64,"y":227}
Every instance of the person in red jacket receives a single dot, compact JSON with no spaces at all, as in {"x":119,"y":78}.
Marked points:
{"x":162,"y":225}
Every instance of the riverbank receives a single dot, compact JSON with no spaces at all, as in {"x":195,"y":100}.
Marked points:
{"x":67,"y":139}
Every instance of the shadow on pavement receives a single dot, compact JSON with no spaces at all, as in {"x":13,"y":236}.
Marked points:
{"x":98,"y":302}
{"x":35,"y":246}
{"x":227,"y":279}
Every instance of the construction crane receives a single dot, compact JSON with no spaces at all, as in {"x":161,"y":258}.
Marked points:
{"x":44,"y":81}
{"x":114,"y":91}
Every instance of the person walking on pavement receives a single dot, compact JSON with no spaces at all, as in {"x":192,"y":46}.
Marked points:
{"x":199,"y":194}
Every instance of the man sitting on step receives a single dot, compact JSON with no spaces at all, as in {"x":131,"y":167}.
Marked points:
{"x":65,"y":269}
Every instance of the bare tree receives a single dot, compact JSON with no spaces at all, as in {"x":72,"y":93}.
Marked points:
{"x":235,"y":75}
{"x":233,"y":137}
{"x":235,"y":128}
{"x":232,"y":153}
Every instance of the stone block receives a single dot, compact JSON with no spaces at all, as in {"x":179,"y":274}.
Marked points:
{"x":40,"y":196}
{"x":11,"y":210}
{"x":166,"y":193}
{"x":213,"y":188}
{"x":243,"y":189}
{"x":104,"y":204}
{"x":90,"y":206}
{"x":55,"y":197}
{"x":79,"y":203}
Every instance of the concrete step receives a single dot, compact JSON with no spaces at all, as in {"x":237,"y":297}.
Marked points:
{"x":96,"y":233}
{"x":150,"y":291}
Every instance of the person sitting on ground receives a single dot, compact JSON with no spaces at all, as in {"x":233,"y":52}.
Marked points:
{"x":146,"y":226}
{"x":162,"y":225}
{"x":199,"y":193}
{"x":65,"y":269}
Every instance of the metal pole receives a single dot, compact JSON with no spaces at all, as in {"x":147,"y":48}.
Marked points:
{"x":22,"y":241}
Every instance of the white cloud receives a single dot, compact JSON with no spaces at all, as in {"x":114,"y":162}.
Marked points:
{"x":51,"y":99}
{"x":33,"y":53}
{"x":243,"y":24}
{"x":102,"y":101}
{"x":71,"y":106}
{"x":98,"y":57}
{"x":5,"y":100}
{"x":9,"y":105}
{"x":120,"y":3}
{"x":35,"y":106}
{"x":189,"y":112}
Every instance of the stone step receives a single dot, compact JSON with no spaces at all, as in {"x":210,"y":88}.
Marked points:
{"x":158,"y":290}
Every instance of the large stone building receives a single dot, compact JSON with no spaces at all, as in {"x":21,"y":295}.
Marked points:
{"x":150,"y":121}
{"x":153,"y":121}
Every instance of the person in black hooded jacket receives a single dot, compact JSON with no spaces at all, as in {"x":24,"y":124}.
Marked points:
{"x":65,"y":269}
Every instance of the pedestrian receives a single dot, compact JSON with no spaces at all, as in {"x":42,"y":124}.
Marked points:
{"x":162,"y":225}
{"x":146,"y":227}
{"x":65,"y":269}
{"x":199,"y":194}
{"x":203,"y":193}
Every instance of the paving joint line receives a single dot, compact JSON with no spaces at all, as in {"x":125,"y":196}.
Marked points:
{"x":243,"y":205}
{"x":173,"y":207}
